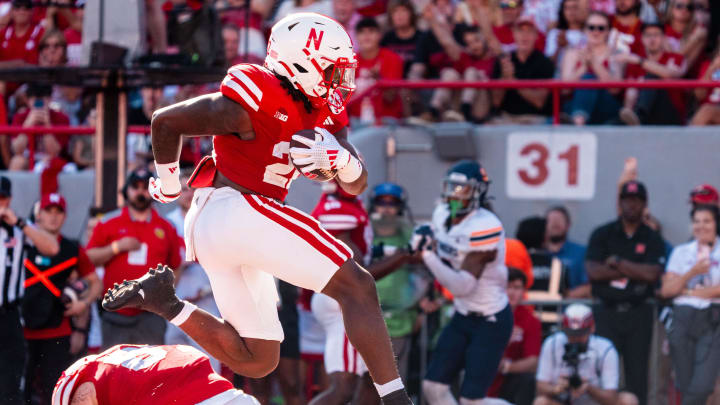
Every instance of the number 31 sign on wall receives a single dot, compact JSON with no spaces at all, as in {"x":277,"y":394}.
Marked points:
{"x":550,"y":165}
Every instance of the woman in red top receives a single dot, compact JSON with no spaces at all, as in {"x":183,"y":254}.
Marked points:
{"x":592,"y":62}
{"x":685,"y":30}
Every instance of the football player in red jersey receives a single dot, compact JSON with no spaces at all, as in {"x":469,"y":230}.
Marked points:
{"x":343,"y":215}
{"x":238,"y":227}
{"x":146,"y":375}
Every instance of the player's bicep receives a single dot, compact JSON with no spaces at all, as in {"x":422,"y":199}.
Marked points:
{"x":209,"y":114}
{"x":475,"y":262}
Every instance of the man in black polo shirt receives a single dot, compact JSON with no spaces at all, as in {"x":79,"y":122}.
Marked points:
{"x":624,"y":260}
{"x":523,"y":106}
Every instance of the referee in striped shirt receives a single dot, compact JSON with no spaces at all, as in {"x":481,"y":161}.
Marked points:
{"x":15,"y":234}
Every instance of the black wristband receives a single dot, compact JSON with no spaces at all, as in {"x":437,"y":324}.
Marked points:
{"x":76,"y":329}
{"x":21,"y":223}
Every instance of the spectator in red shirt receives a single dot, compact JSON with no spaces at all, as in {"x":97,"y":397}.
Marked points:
{"x":511,"y":12}
{"x":515,"y":381}
{"x":653,"y":106}
{"x":52,"y":329}
{"x":51,"y":149}
{"x":21,"y":37}
{"x":626,"y":35}
{"x":231,"y":43}
{"x":471,"y":63}
{"x":685,"y":34}
{"x":592,"y":62}
{"x":403,"y":36}
{"x":374,"y":63}
{"x":128,"y":242}
{"x":709,"y":111}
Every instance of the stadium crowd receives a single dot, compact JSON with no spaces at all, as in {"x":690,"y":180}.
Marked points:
{"x":626,"y":267}
{"x":448,"y":40}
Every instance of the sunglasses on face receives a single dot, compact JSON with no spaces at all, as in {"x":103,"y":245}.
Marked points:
{"x":681,"y":6}
{"x":599,"y":28}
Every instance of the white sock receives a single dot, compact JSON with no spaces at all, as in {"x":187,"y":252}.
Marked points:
{"x":188,"y":309}
{"x":389,"y":387}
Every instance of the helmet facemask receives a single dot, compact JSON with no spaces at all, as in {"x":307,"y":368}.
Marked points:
{"x":337,"y":84}
{"x":462,"y":194}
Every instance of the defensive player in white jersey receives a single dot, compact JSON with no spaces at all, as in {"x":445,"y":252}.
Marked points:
{"x":464,"y":248}
{"x":238,"y":227}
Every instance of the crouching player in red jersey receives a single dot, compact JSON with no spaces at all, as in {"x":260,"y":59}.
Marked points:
{"x":238,"y":227}
{"x":146,"y":375}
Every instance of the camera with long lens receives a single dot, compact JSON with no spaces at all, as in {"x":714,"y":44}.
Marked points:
{"x":571,"y":357}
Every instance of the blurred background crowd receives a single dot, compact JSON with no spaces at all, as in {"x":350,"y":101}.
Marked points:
{"x":662,"y":320}
{"x":469,"y":41}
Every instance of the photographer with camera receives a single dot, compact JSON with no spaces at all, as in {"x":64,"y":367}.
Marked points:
{"x":577,"y":367}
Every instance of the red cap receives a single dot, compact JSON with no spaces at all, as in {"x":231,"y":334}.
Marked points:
{"x":52,"y":200}
{"x":704,"y":194}
{"x":526,"y":19}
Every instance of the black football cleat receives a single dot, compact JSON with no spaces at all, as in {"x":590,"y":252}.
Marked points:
{"x":154,"y":292}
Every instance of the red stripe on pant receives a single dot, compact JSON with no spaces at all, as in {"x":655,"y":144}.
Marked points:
{"x":312,"y":223}
{"x":297,"y":230}
{"x":346,"y":354}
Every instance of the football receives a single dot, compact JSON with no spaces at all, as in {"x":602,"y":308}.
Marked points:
{"x":317,"y":174}
{"x":73,"y":291}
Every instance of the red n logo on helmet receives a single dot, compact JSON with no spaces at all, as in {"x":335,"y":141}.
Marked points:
{"x":314,"y":38}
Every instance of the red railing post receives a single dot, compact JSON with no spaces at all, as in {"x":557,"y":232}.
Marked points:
{"x":556,"y":105}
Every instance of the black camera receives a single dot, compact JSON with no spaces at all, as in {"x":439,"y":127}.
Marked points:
{"x":572,"y":358}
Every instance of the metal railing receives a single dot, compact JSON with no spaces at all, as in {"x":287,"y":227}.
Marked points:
{"x":555,"y":86}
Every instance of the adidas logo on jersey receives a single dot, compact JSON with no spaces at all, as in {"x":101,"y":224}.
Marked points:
{"x":328,"y":121}
{"x":282,"y":117}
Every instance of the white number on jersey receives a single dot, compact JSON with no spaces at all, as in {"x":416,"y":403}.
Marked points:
{"x":281,"y":174}
{"x":135,"y":358}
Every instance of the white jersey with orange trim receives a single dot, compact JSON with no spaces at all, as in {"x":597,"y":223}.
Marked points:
{"x":480,"y":230}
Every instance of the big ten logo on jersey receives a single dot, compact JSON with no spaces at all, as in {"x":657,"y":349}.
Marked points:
{"x":315,"y":39}
{"x":281,"y":114}
{"x":548,"y":165}
{"x":282,"y":173}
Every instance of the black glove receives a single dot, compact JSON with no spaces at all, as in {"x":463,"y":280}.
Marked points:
{"x":422,"y":238}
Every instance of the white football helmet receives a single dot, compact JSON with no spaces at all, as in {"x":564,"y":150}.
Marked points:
{"x":316,"y":55}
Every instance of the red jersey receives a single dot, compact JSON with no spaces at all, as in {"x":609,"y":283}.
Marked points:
{"x":386,"y":65}
{"x":263,"y":164}
{"x":677,"y":96}
{"x":159,"y":240}
{"x":144,"y":375}
{"x":24,"y":47}
{"x":525,"y":341}
{"x":627,"y":38}
{"x":339,"y":215}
